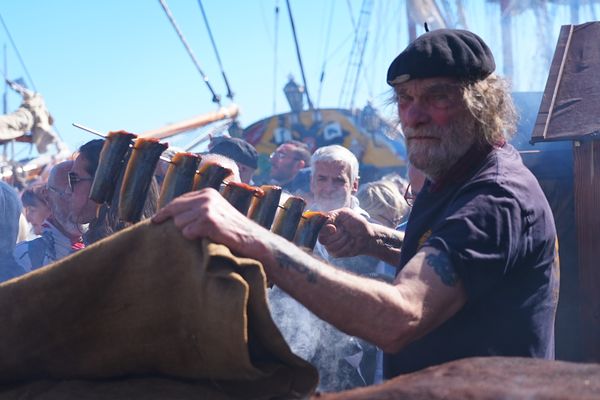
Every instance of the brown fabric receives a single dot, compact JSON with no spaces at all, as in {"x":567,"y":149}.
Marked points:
{"x":487,"y":378}
{"x":147,"y":302}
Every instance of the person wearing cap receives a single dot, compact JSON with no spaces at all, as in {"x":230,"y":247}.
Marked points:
{"x":477,"y":272}
{"x":240,"y":151}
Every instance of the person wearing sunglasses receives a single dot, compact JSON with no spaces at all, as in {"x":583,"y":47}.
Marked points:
{"x":81,"y":176}
{"x":286,"y":163}
{"x":59,"y":236}
{"x":478,"y":273}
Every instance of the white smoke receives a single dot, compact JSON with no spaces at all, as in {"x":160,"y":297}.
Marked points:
{"x":335,"y":354}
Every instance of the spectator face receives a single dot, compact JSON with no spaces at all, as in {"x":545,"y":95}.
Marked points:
{"x":83,"y":210}
{"x":59,"y":198}
{"x":36,"y":215}
{"x":284,"y":164}
{"x":331,"y":186}
{"x":436,"y":123}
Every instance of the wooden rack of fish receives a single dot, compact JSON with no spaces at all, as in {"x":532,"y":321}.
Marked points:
{"x":129,"y":161}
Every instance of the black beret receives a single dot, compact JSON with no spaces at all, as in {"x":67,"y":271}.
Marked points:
{"x":238,"y":150}
{"x":443,"y":53}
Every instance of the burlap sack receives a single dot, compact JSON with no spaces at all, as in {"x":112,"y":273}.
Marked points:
{"x":147,"y":302}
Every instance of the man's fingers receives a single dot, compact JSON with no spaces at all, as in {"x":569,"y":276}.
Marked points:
{"x":326,"y":233}
{"x":181,"y":204}
{"x":185,"y":218}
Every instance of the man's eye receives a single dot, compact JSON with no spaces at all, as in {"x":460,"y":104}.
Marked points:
{"x":403,"y":99}
{"x":440,"y":100}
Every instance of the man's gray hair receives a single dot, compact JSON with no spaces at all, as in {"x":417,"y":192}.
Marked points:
{"x":489,"y":101}
{"x":336,"y":153}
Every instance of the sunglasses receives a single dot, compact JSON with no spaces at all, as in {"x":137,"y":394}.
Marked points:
{"x":409,"y":196}
{"x":73,"y":179}
{"x":277,"y":155}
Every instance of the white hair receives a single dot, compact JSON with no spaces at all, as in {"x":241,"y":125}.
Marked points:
{"x":336,"y":153}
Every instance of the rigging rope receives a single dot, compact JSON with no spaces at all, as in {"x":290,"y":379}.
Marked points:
{"x":275,"y":55}
{"x":216,"y":98}
{"x":310,"y":105}
{"x":18,"y":54}
{"x":322,"y":77}
{"x":212,"y":40}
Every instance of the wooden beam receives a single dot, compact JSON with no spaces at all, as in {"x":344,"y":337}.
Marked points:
{"x":587,"y":216}
{"x":231,"y":111}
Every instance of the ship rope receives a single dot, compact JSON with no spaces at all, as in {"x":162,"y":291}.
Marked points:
{"x":275,"y":57}
{"x":310,"y":105}
{"x":212,"y":41}
{"x":325,"y":58}
{"x":216,"y":98}
{"x":12,"y":42}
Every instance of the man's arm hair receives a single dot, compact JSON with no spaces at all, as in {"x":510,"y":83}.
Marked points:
{"x":387,"y":315}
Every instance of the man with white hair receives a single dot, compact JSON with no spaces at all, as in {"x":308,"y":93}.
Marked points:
{"x":334,"y":179}
{"x":60,"y":236}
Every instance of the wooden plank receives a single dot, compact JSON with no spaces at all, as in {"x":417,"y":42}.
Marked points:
{"x":552,"y":84}
{"x":587,"y":216}
{"x":231,"y":111}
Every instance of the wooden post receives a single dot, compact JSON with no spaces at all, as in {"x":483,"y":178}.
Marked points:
{"x":586,"y":159}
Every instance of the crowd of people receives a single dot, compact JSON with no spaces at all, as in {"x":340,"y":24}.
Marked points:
{"x":469,"y":269}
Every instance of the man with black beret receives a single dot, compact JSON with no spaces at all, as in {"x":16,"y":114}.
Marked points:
{"x":476,"y":268}
{"x":240,"y":151}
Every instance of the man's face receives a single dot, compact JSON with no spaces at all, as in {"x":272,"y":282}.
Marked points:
{"x":284,"y":164}
{"x":331,"y":186}
{"x":436,"y":123}
{"x":59,"y":198}
{"x":82,"y":210}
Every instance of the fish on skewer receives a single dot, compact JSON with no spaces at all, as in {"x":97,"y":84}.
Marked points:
{"x":111,"y":163}
{"x":263,"y":209}
{"x":309,"y":228}
{"x":210,"y":175}
{"x":240,"y":195}
{"x":179,"y":178}
{"x":138,"y":176}
{"x":288,"y":217}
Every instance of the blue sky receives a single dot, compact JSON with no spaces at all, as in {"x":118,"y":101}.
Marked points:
{"x":118,"y":64}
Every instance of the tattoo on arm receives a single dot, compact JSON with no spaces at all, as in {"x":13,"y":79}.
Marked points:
{"x":287,"y":262}
{"x":390,"y":239}
{"x":443,"y":267}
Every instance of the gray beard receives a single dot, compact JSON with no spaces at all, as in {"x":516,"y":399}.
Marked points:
{"x":435,"y":160}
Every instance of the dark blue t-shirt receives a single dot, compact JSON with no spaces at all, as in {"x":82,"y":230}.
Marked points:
{"x":497,"y":228}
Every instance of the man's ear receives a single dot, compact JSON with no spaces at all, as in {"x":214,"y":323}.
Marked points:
{"x":355,"y":186}
{"x":301,"y":164}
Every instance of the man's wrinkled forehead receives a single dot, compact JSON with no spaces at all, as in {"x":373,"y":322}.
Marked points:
{"x":428,"y":85}
{"x":332,"y":168}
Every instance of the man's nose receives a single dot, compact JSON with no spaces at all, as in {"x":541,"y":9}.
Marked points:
{"x":414,"y":115}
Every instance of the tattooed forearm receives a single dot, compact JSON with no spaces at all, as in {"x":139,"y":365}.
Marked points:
{"x":390,"y":239}
{"x":443,"y":267}
{"x":287,"y":262}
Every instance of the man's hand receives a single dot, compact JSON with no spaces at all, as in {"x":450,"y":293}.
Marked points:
{"x":349,"y":234}
{"x":346,"y":233}
{"x":206,"y":213}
